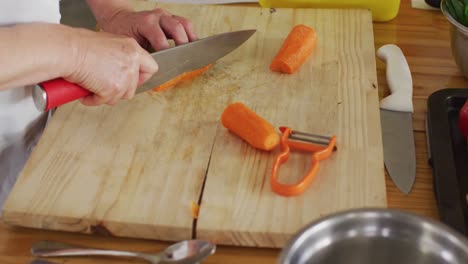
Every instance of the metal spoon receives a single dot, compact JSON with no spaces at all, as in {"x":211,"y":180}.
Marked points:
{"x":185,"y":252}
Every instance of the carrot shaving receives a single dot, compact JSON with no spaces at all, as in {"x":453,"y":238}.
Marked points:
{"x":246,"y":124}
{"x":297,"y":47}
{"x":195,"y":210}
{"x":183,"y":77}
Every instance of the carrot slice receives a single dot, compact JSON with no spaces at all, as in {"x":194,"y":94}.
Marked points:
{"x":183,"y":77}
{"x":295,"y":50}
{"x":246,"y":124}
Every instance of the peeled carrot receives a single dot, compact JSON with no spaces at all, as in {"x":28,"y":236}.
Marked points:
{"x":183,"y":77}
{"x":246,"y":124}
{"x":295,"y":50}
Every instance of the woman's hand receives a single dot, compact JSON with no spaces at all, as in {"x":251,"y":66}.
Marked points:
{"x":110,"y":66}
{"x":149,"y":28}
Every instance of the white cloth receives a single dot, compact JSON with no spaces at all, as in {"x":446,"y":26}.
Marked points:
{"x":20,"y":122}
{"x":25,"y":11}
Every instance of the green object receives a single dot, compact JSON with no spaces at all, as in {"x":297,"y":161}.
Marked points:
{"x":466,"y":12}
{"x":466,"y":4}
{"x":450,"y":9}
{"x":459,"y":10}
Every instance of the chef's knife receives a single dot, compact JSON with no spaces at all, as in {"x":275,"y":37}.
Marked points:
{"x":396,"y":114}
{"x":172,"y":62}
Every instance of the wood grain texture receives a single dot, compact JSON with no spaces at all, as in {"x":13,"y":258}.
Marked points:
{"x":334,"y":92}
{"x":98,"y":169}
{"x":134,"y":169}
{"x":131,"y":170}
{"x":424,"y":38}
{"x":15,"y":243}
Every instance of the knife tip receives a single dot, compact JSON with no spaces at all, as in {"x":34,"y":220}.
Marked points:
{"x":405,"y":189}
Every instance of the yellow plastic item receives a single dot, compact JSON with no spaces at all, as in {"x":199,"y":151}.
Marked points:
{"x":382,"y":10}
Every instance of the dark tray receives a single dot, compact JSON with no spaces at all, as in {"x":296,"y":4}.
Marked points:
{"x":433,"y":3}
{"x":448,"y":156}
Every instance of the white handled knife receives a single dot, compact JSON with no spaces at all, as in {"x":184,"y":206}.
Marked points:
{"x":396,"y":114}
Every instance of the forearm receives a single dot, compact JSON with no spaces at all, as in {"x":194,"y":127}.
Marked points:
{"x":104,"y":10}
{"x":32,"y":53}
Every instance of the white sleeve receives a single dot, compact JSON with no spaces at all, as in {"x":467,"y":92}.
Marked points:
{"x":25,"y":11}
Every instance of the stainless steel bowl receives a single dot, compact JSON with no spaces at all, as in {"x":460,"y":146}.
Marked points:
{"x":380,"y":236}
{"x":458,"y":41}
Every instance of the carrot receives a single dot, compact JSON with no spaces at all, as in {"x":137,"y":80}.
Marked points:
{"x":295,"y":50}
{"x":246,"y":124}
{"x":183,"y":77}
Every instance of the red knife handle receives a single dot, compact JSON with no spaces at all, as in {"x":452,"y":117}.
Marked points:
{"x":463,"y":119}
{"x":53,"y":93}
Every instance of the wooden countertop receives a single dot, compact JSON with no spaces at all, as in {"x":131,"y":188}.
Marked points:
{"x":424,"y":38}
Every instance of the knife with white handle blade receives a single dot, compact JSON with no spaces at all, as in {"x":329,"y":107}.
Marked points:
{"x":396,"y":114}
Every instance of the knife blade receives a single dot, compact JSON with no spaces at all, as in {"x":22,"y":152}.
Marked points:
{"x":396,"y":114}
{"x":172,"y":62}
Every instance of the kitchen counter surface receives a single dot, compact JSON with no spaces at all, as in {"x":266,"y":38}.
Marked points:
{"x":423,"y":37}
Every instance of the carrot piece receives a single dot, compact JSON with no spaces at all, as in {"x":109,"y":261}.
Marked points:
{"x":183,"y":77}
{"x":192,"y":74}
{"x":195,"y":210}
{"x":171,"y":83}
{"x":246,"y":124}
{"x":295,"y":50}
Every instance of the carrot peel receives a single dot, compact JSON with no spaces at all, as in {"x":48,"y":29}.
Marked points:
{"x":195,"y":210}
{"x":246,"y":124}
{"x":182,"y":77}
{"x":297,"y":47}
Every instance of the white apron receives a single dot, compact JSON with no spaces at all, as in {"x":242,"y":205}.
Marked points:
{"x":20,"y":123}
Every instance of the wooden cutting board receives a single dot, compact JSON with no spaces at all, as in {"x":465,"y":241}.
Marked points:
{"x":135,"y":169}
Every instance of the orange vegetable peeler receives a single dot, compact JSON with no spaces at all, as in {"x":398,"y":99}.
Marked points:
{"x":321,"y":147}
